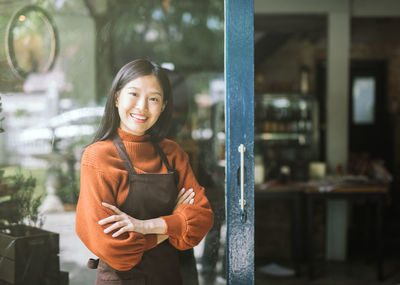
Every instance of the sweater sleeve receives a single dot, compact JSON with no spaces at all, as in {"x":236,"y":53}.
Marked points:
{"x":189,"y":223}
{"x":122,"y":252}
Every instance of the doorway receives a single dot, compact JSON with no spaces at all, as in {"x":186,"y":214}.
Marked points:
{"x":370,"y":127}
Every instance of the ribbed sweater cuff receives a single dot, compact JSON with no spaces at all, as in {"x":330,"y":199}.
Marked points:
{"x":176,"y":225}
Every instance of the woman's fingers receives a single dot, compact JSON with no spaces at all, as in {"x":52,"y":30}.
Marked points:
{"x":185,"y":197}
{"x":121,"y":231}
{"x":115,"y":226}
{"x":188,"y":194}
{"x":112,"y":208}
{"x":120,"y":215}
{"x":188,"y":197}
{"x":110,"y":219}
{"x":180,"y":194}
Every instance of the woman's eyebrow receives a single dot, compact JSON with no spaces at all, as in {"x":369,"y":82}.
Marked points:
{"x":154,"y":92}
{"x":133,"y":87}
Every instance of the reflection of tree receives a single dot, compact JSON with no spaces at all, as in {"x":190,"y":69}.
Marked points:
{"x":188,"y":34}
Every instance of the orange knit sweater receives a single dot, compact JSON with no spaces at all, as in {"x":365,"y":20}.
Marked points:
{"x":105,"y":179}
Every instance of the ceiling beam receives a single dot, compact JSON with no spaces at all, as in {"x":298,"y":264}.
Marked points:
{"x":300,"y":6}
{"x":356,"y":8}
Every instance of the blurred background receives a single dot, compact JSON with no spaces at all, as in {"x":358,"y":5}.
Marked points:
{"x":326,"y":111}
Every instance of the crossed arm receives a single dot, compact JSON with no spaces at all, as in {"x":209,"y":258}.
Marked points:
{"x":122,"y":222}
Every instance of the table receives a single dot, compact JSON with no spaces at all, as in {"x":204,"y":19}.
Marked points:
{"x":375,"y":193}
{"x":292,"y":192}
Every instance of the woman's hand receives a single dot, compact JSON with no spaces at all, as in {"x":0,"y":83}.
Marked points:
{"x":122,"y":221}
{"x":126,"y":223}
{"x":184,"y":197}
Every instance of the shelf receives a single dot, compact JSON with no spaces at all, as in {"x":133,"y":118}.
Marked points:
{"x":301,"y":138}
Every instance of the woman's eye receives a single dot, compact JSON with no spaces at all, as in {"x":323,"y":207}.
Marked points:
{"x":133,"y":94}
{"x":154,"y":99}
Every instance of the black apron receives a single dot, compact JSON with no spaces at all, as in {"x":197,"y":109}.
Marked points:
{"x":150,"y":196}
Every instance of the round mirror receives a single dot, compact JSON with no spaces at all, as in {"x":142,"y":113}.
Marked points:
{"x":31,"y":41}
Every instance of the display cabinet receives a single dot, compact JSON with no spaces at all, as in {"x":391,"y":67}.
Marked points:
{"x":286,"y":135}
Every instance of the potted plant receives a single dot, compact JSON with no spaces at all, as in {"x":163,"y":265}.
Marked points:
{"x":28,"y":254}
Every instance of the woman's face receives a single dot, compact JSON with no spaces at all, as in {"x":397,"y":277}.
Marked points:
{"x":140,"y":102}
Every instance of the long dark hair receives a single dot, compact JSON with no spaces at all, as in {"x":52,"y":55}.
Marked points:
{"x":130,"y":71}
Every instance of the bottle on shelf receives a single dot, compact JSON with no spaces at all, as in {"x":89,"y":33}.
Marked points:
{"x":259,"y":171}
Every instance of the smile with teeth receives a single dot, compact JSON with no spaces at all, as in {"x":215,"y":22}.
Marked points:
{"x":138,"y":117}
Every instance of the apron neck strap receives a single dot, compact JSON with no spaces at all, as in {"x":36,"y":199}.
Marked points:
{"x":127,"y":162}
{"x":119,"y":145}
{"x":163,"y":157}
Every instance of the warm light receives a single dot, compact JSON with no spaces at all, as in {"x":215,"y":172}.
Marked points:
{"x":165,"y":4}
{"x":22,"y":18}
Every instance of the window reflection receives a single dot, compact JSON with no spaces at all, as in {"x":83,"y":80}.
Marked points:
{"x":31,"y":41}
{"x":50,"y":117}
{"x":31,"y":31}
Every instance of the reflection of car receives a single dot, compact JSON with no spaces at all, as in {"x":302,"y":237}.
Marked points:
{"x":74,"y":123}
{"x":63,"y":132}
{"x":67,"y":129}
{"x":85,"y":115}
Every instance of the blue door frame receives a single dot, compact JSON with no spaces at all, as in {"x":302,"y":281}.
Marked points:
{"x":239,"y":123}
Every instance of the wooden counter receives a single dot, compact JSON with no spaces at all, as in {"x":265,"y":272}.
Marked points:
{"x":303,"y":195}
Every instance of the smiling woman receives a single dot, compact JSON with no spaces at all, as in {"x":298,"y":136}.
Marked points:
{"x":140,"y":203}
{"x":140,"y":104}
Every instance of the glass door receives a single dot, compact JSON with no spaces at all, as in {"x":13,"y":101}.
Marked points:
{"x":57,"y":61}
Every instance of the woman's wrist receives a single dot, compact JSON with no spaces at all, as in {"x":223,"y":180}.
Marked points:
{"x":155,"y":226}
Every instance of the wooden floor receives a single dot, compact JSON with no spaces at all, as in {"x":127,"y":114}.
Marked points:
{"x":339,"y":273}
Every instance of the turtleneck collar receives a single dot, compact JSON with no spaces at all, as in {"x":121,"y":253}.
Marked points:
{"x":125,"y":136}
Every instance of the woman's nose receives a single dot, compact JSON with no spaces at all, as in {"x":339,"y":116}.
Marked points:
{"x":141,"y":103}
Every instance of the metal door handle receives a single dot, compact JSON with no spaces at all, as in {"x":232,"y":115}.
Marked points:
{"x":243,"y":213}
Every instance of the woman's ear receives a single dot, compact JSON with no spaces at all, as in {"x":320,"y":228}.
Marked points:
{"x":116,"y":99}
{"x":163,"y":106}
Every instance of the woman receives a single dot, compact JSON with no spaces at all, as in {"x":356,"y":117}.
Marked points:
{"x":130,"y":212}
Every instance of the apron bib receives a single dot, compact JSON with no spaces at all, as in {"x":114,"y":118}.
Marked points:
{"x":150,"y":196}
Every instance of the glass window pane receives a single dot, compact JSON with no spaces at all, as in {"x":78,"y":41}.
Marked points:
{"x":52,"y":109}
{"x":364,"y":100}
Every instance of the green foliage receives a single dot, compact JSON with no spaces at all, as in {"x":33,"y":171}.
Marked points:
{"x":68,"y":191}
{"x":186,"y":33}
{"x":21,"y":113}
{"x":38,"y":174}
{"x":18,"y":205}
{"x":68,"y":194}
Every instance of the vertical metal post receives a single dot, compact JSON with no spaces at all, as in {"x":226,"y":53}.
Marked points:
{"x":239,"y":120}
